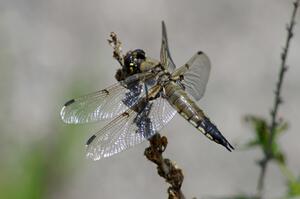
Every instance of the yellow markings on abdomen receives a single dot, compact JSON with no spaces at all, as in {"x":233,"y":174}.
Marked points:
{"x":184,"y":105}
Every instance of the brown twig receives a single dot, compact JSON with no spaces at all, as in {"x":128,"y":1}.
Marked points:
{"x":116,"y":44}
{"x":165,"y":167}
{"x":278,"y":100}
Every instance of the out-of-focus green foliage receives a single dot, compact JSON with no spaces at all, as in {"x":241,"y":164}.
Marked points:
{"x":261,"y":129}
{"x":293,"y":183}
{"x":41,"y":167}
{"x":294,"y":188}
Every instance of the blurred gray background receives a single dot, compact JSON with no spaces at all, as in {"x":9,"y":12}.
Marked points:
{"x":52,"y":51}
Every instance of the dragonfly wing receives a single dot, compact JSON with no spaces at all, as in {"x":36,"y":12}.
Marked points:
{"x":100,"y":105}
{"x":195,"y":74}
{"x":129,"y":129}
{"x":162,"y":112}
{"x":165,"y":56}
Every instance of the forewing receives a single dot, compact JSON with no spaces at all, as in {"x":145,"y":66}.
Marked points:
{"x":196,"y":75}
{"x":165,"y":56}
{"x":100,"y":105}
{"x":129,"y":129}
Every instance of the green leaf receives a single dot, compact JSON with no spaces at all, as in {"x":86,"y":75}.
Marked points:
{"x":294,"y":188}
{"x":281,"y":127}
{"x":279,"y":157}
{"x":261,"y":130}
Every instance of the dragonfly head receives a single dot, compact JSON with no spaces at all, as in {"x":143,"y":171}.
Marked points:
{"x":132,"y":64}
{"x":133,"y":60}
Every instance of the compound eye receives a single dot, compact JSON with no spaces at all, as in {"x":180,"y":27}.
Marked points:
{"x":139,"y":54}
{"x":141,"y":57}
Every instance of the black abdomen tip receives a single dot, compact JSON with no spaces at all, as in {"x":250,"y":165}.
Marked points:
{"x":215,"y":134}
{"x":199,"y":52}
{"x":90,"y":140}
{"x":69,"y":102}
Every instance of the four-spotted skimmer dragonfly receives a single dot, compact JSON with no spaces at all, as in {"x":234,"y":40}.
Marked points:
{"x":146,"y":97}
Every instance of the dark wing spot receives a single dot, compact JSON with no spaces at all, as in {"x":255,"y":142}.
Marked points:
{"x":90,"y":140}
{"x":105,"y":91}
{"x":69,"y":102}
{"x":199,"y":52}
{"x":181,"y":77}
{"x":125,"y":114}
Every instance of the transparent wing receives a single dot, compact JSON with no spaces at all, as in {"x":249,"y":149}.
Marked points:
{"x":129,"y":129}
{"x":165,"y":56}
{"x":195,"y":74}
{"x":100,"y":105}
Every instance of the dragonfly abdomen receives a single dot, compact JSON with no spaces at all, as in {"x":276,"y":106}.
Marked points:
{"x":193,"y":114}
{"x":182,"y":103}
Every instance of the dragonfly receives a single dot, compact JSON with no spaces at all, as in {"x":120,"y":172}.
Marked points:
{"x":147,"y":95}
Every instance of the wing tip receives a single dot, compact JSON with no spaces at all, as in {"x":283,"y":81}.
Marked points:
{"x":163,"y":25}
{"x":92,"y":156}
{"x":69,"y":102}
{"x":62,"y":115}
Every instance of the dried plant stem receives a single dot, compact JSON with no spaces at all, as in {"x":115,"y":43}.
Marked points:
{"x":165,"y":167}
{"x":116,"y":44}
{"x":278,"y":100}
